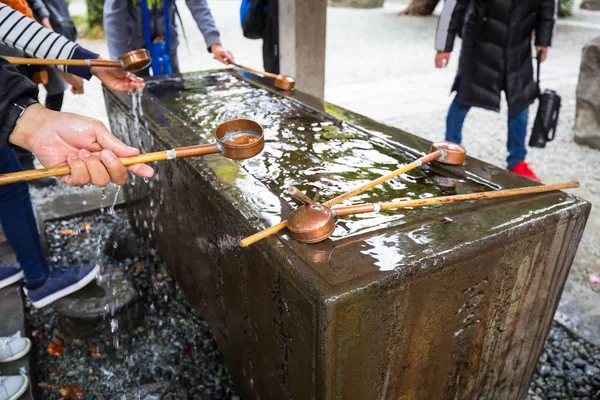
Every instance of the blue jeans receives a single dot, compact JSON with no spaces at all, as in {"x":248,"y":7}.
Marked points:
{"x":18,"y":221}
{"x":517,"y":131}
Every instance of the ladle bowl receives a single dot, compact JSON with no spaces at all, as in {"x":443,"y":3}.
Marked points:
{"x":136,"y":60}
{"x":285,"y":82}
{"x":312,"y":222}
{"x":240,"y":139}
{"x":452,"y":153}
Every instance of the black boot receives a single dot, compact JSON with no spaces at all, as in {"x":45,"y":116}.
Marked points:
{"x":26,"y":160}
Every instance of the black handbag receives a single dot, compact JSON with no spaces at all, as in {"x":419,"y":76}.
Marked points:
{"x":546,"y":119}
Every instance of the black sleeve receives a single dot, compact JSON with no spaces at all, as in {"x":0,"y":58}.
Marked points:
{"x":544,"y":25}
{"x":14,"y":88}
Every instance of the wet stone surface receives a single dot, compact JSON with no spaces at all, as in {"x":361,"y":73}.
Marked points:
{"x":101,"y":308}
{"x":172,"y":342}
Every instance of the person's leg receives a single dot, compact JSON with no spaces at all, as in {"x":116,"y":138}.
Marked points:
{"x":517,"y":132}
{"x":18,"y":222}
{"x":454,"y":121}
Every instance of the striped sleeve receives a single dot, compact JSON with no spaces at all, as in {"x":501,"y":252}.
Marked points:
{"x":19,"y":32}
{"x":450,"y":22}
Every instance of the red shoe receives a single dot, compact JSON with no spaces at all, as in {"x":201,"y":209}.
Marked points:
{"x":523,"y":169}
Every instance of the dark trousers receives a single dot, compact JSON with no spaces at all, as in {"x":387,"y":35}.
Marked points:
{"x":271,"y":39}
{"x":517,"y":131}
{"x":18,"y":221}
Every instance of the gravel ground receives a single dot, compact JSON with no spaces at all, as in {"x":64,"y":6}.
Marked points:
{"x":172,"y":343}
{"x":569,"y":368}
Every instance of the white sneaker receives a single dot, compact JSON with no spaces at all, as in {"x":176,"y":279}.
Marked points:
{"x":13,"y":387}
{"x":13,"y":348}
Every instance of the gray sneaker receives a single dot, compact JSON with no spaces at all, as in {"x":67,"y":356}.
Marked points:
{"x":13,"y":387}
{"x":13,"y":348}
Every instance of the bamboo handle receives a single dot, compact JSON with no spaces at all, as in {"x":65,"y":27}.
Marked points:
{"x":181,"y":152}
{"x":365,"y":208}
{"x":336,"y":200}
{"x":255,"y":71}
{"x":77,"y":63}
{"x":409,"y":167}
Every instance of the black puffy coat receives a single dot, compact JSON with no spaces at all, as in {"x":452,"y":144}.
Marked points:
{"x":496,"y":51}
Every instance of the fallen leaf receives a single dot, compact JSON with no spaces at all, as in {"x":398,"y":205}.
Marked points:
{"x":188,"y":349}
{"x":594,"y":278}
{"x":72,"y":391}
{"x":48,"y":385}
{"x":55,"y":349}
{"x":86,"y":226}
{"x":96,"y":352}
{"x":69,"y":232}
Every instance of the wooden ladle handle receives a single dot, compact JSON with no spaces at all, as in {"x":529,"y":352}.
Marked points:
{"x":180,"y":152}
{"x":76,"y":63}
{"x":255,"y":71}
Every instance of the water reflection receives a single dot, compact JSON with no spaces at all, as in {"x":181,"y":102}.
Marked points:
{"x":302,"y":148}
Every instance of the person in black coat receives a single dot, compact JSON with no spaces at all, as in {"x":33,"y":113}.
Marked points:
{"x":496,"y":56}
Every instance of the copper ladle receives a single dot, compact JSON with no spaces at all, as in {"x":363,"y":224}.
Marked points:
{"x":132,"y":61}
{"x":237,"y":139}
{"x":283,"y":82}
{"x":443,"y":152}
{"x":314,"y":223}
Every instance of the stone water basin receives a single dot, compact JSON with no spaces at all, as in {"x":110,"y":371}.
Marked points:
{"x":443,"y":301}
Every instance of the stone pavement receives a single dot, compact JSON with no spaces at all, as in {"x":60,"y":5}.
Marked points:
{"x":381,"y":65}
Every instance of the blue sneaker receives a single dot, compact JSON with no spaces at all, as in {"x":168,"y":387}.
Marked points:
{"x":60,"y":283}
{"x":9,"y":274}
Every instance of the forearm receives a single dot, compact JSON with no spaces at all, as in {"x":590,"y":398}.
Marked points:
{"x":19,"y":32}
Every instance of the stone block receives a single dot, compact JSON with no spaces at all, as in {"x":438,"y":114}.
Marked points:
{"x":357,"y":3}
{"x":590,"y":5}
{"x":452,"y":301}
{"x":101,"y":308}
{"x":587,"y":114}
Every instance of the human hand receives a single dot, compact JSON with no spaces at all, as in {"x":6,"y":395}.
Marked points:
{"x":220,"y":54}
{"x":442,"y":58}
{"x":544,"y":52}
{"x":118,"y":79}
{"x":84,"y":144}
{"x":46,"y":23}
{"x":73,"y":80}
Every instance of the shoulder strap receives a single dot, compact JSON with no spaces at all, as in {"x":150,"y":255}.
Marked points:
{"x":539,"y":64}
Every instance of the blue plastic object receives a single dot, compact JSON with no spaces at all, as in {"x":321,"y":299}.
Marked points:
{"x":160,"y":50}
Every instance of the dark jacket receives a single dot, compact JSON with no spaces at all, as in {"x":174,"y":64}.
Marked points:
{"x":14,"y":88}
{"x":496,"y":51}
